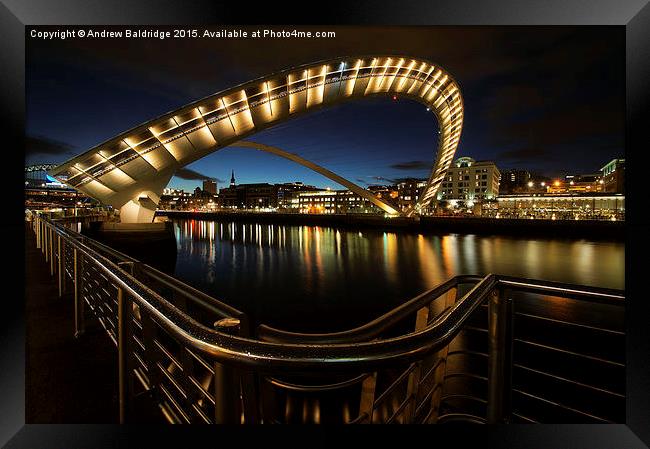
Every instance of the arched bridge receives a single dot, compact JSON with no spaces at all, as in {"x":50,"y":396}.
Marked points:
{"x":130,"y":171}
{"x":386,"y":207}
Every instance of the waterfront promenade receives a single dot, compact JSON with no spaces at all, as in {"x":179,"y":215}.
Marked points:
{"x":68,"y":379}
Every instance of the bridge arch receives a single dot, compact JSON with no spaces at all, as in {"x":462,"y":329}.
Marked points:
{"x":383,"y":205}
{"x":130,"y":170}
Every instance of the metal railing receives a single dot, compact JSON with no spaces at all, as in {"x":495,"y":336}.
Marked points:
{"x":201,"y":360}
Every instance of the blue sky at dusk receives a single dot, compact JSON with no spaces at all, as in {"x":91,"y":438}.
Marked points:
{"x":548,"y":99}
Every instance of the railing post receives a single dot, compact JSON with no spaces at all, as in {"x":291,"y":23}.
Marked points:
{"x":59,"y":265}
{"x":123,"y":341}
{"x":367,"y":403}
{"x":499,"y":357}
{"x":126,"y":308}
{"x":78,"y":299}
{"x":44,"y":247}
{"x":421,"y":321}
{"x":64,"y":285}
{"x":227,"y":403}
{"x":441,"y":370}
{"x":37,"y":229}
{"x":51,"y":252}
{"x":251,"y":397}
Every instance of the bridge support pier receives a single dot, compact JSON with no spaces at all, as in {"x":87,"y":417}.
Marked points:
{"x":141,"y":210}
{"x":140,"y":206}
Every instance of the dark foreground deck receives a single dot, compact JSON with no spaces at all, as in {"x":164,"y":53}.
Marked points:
{"x":67,"y":379}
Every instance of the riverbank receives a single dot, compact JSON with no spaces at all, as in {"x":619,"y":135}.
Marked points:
{"x":590,"y":229}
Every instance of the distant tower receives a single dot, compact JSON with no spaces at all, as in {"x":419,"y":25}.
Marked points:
{"x":232,"y":179}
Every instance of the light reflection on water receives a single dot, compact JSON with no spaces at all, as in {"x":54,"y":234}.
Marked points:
{"x":311,"y":277}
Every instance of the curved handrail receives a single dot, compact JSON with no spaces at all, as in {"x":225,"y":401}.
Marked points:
{"x":208,"y":302}
{"x":304,"y":357}
{"x":372,"y":328}
{"x":323,"y":387}
{"x":382,"y":323}
{"x":269,"y":333}
{"x":293,"y":357}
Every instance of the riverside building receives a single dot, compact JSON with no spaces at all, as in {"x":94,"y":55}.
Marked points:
{"x":334,"y":202}
{"x":470,"y":180}
{"x":564,"y":206}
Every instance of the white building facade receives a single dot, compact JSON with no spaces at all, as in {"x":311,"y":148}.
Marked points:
{"x":470,"y":180}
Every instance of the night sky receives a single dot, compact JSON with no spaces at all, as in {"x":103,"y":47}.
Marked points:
{"x":547,"y":99}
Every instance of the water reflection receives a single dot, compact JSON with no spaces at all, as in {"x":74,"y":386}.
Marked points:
{"x":310,"y":277}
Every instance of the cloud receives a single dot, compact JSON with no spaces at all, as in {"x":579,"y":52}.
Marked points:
{"x":192,"y":175}
{"x":375,"y":180}
{"x":43,"y":145}
{"x":412,"y":165}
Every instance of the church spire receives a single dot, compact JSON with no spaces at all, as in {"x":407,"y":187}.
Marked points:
{"x":232,"y":179}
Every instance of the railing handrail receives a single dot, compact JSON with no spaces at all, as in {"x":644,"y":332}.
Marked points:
{"x":295,"y":357}
{"x":301,"y":357}
{"x":572,"y":291}
{"x":372,"y":328}
{"x":268,"y":333}
{"x":218,"y":307}
{"x":380,"y":324}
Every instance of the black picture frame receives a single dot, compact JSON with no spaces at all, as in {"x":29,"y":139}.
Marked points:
{"x":634,"y":15}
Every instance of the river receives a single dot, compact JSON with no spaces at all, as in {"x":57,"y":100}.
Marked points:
{"x":310,"y":278}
